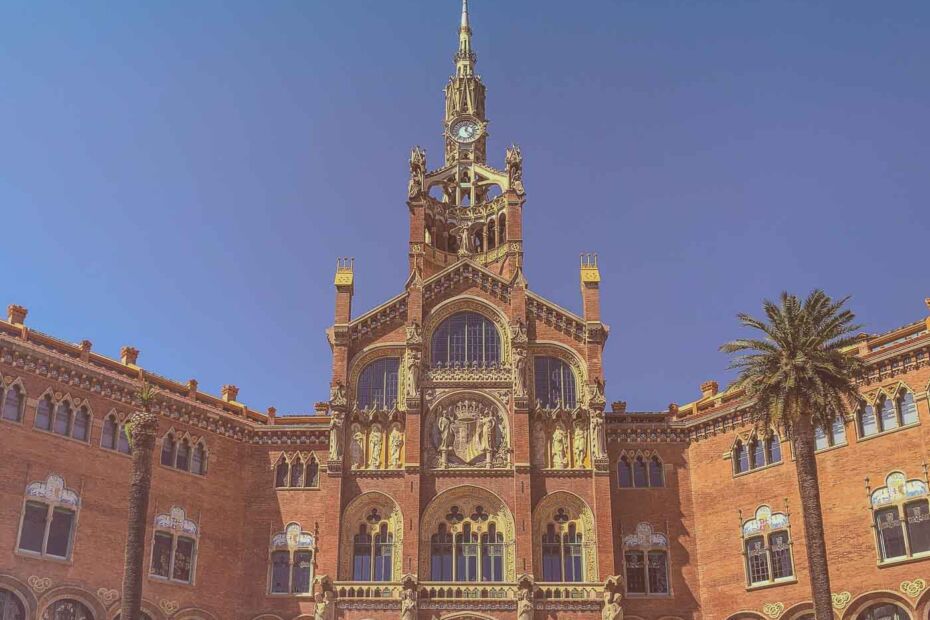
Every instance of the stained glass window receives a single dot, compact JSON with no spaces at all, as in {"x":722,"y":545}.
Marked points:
{"x":466,"y":339}
{"x":658,"y":572}
{"x":554,"y":382}
{"x":377,"y":385}
{"x":780,"y":549}
{"x":757,"y":560}
{"x":890,"y":533}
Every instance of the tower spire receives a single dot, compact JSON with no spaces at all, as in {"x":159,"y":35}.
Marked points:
{"x":464,"y":58}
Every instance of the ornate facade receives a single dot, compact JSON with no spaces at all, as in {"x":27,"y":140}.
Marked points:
{"x":465,"y":464}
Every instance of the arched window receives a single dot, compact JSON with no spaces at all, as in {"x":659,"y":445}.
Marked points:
{"x":907,"y":407}
{"x":312,"y":475}
{"x":756,"y":453}
{"x":373,"y":549}
{"x":467,"y":548}
{"x":81,"y":428}
{"x":67,"y":609}
{"x":291,"y":570}
{"x":883,"y":611}
{"x":868,"y":424}
{"x":466,"y":339}
{"x":47,"y":527}
{"x":281,"y":474}
{"x":11,"y":608}
{"x":174,"y":546}
{"x":772,"y":449}
{"x":44,"y":410}
{"x":625,"y":472}
{"x":554,"y":383}
{"x":888,"y":417}
{"x":640,"y":475}
{"x":740,"y":458}
{"x":834,"y":435}
{"x":297,"y":472}
{"x":656,"y":474}
{"x":377,"y":385}
{"x":901,"y":515}
{"x":13,"y":402}
{"x":492,"y":235}
{"x":184,"y":455}
{"x":142,"y":616}
{"x":562,"y":550}
{"x":645,"y":560}
{"x":168,"y":450}
{"x":62,"y":425}
{"x":199,"y":459}
{"x":767,"y":547}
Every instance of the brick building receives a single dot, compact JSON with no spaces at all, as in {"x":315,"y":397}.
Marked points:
{"x":465,"y":465}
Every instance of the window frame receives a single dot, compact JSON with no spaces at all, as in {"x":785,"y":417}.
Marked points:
{"x":563,"y":527}
{"x":488,"y":348}
{"x":177,"y":526}
{"x":41,"y":493}
{"x":17,"y":386}
{"x":746,"y":445}
{"x":474,"y":527}
{"x":829,"y":434}
{"x":186,"y":439}
{"x":646,"y":542}
{"x":389,"y":366}
{"x":899,"y":505}
{"x":74,"y":407}
{"x":374,"y":524}
{"x":877,"y":407}
{"x":765,"y":531}
{"x":118,"y":435}
{"x":648,"y":458}
{"x":287,"y":461}
{"x":568,"y":389}
{"x":292,"y":540}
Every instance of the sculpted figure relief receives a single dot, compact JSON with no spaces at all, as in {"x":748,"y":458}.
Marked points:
{"x":598,"y":436}
{"x":579,"y":442}
{"x":357,"y":449}
{"x":335,"y":436}
{"x":559,"y":447}
{"x":413,"y":372}
{"x":337,"y":395}
{"x":396,"y":445}
{"x":408,"y":604}
{"x":525,"y":604}
{"x":323,"y":606}
{"x":519,"y":371}
{"x":375,"y":445}
{"x":417,"y":170}
{"x":467,"y":433}
{"x":539,"y":444}
{"x":612,"y":609}
{"x":514,"y":162}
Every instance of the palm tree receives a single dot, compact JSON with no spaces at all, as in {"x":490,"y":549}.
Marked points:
{"x":140,"y":430}
{"x":800,"y":376}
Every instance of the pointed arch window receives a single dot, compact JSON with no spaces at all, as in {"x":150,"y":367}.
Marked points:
{"x":563,"y":549}
{"x":174,"y":546}
{"x":767,"y":547}
{"x":12,"y":403}
{"x":901,"y":516}
{"x":466,"y":339}
{"x":44,"y":409}
{"x":831,"y":436}
{"x":740,"y":457}
{"x":184,"y":455}
{"x":554,"y":383}
{"x":625,"y":472}
{"x":49,"y":514}
{"x":378,"y":383}
{"x":312,"y":475}
{"x":373,"y":549}
{"x":656,"y":473}
{"x":892,"y":413}
{"x":178,"y":454}
{"x":645,"y":559}
{"x":640,"y":474}
{"x":199,"y":459}
{"x":281,"y":474}
{"x":62,"y":424}
{"x":168,"y":450}
{"x":467,"y":548}
{"x":291,"y":566}
{"x":640,"y":471}
{"x":760,"y":451}
{"x":114,"y":435}
{"x":297,"y":472}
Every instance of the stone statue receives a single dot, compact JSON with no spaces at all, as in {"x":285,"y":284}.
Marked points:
{"x":335,"y":436}
{"x":375,"y":445}
{"x":519,"y":371}
{"x":462,"y":232}
{"x":612,"y":609}
{"x":414,"y":333}
{"x":417,"y":171}
{"x":539,"y":443}
{"x":598,"y":437}
{"x":413,"y":372}
{"x":580,"y":442}
{"x":337,"y":395}
{"x":357,"y":449}
{"x":445,"y":430}
{"x":323,"y":606}
{"x":559,"y":460}
{"x":487,"y":428}
{"x":514,"y":162}
{"x":518,"y":329}
{"x":525,"y":604}
{"x":408,"y":604}
{"x":396,"y":445}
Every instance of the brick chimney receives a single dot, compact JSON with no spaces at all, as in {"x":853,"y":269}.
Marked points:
{"x":192,"y":388}
{"x":16,"y":314}
{"x":709,"y":388}
{"x":230,"y":392}
{"x":590,"y":288}
{"x":129,"y":355}
{"x":345,"y":288}
{"x":86,"y":346}
{"x":618,"y":406}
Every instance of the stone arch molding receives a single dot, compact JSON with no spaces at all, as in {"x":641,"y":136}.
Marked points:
{"x":354,"y":515}
{"x":479,"y":432}
{"x":876,"y":597}
{"x":550,"y":348}
{"x":465,"y":303}
{"x":70,"y":592}
{"x":577,"y":508}
{"x":368,"y":355}
{"x":22,"y":592}
{"x":467,"y":497}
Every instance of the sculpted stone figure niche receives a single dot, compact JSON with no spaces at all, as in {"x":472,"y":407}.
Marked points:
{"x":467,"y":433}
{"x":561,"y":439}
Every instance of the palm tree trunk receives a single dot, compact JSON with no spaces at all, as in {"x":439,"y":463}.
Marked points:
{"x":809,"y":489}
{"x":143,"y":426}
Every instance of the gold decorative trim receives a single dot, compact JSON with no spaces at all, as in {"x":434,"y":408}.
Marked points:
{"x":108,"y":596}
{"x":577,"y":509}
{"x":773,"y":610}
{"x":841,"y":600}
{"x":913,"y":588}
{"x":354,"y":515}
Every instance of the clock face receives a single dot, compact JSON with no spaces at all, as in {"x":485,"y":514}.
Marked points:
{"x":465,"y":131}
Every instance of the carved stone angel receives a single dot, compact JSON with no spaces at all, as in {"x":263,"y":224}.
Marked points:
{"x":417,"y":171}
{"x":337,"y":395}
{"x":408,"y":604}
{"x":525,"y":606}
{"x":514,"y":163}
{"x":598,"y":436}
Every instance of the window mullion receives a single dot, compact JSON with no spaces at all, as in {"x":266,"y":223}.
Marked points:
{"x":768,"y":557}
{"x":49,"y":508}
{"x":904,"y":530}
{"x":174,"y":550}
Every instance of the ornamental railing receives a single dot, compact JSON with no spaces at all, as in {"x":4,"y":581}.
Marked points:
{"x":574,"y":591}
{"x":367,"y":589}
{"x":444,"y":590}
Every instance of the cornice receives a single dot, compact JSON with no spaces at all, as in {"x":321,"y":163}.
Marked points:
{"x":556,"y":316}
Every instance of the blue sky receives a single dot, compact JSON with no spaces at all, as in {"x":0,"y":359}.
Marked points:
{"x":181,"y":176}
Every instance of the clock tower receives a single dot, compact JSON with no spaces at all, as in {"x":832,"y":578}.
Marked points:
{"x":466,"y":210}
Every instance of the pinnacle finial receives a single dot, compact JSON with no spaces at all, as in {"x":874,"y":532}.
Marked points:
{"x":464,"y":13}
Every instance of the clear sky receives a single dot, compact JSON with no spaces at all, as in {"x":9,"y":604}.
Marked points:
{"x":181,"y":176}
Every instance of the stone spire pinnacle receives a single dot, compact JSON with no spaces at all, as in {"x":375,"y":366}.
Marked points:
{"x":464,"y":58}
